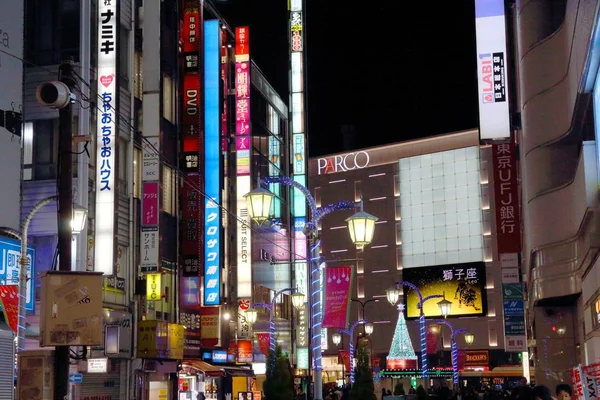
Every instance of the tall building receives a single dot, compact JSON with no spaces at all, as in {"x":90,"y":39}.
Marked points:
{"x":173,"y":124}
{"x":434,"y":201}
{"x":557,"y":102}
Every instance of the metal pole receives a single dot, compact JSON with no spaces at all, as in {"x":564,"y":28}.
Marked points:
{"x":65,"y":216}
{"x":315,"y":315}
{"x":272,"y":344}
{"x":24,"y":275}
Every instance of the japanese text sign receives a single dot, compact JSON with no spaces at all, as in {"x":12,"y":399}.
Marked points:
{"x":506,"y":198}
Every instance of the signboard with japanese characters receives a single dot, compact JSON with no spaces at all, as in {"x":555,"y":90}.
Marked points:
{"x":490,"y":29}
{"x":106,"y":133}
{"x":244,"y":327}
{"x":190,"y":116}
{"x":302,"y":326}
{"x":150,"y":158}
{"x":461,"y":284}
{"x":149,"y":246}
{"x":506,"y":199}
{"x":513,"y":306}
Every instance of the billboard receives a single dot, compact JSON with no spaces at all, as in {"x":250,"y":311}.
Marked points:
{"x":106,"y":151}
{"x":440,"y":206}
{"x":461,"y":284}
{"x":212,"y":169}
{"x":490,"y":30}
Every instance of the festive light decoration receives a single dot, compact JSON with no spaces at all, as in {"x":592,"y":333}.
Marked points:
{"x":422,"y":331}
{"x":454,"y":347}
{"x":401,"y":349}
{"x":350,"y":333}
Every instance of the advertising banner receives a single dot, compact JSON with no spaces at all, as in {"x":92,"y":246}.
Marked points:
{"x":244,"y":348}
{"x":338,"y":286}
{"x":189,"y":314}
{"x":506,"y":198}
{"x":490,"y":30}
{"x":10,"y":268}
{"x":9,"y":298}
{"x":212,"y":164}
{"x":263,"y":342}
{"x":210,"y":326}
{"x":462,"y":284}
{"x":513,"y":306}
{"x":344,"y":358}
{"x":579,"y":392}
{"x":150,"y":207}
{"x":432,"y":341}
{"x":106,"y":145}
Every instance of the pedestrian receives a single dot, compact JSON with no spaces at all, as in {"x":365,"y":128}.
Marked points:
{"x":563,"y":391}
{"x":383,"y":394}
{"x":541,"y":392}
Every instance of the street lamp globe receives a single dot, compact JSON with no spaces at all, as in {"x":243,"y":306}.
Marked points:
{"x":259,"y":204}
{"x":368,"y":328}
{"x":79,"y":218}
{"x":336,"y":338}
{"x":444,"y":306}
{"x":362,"y":227}
{"x":469,"y":338}
{"x":298,"y":300}
{"x":392,"y":294}
{"x":251,"y":315}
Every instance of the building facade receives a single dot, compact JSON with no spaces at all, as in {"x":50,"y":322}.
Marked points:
{"x":173,"y":116}
{"x":434,"y":200}
{"x":557,"y":105}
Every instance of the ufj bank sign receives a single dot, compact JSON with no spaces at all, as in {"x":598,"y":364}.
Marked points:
{"x":343,"y":162}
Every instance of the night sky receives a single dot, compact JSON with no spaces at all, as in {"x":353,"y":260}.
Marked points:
{"x":389,"y":70}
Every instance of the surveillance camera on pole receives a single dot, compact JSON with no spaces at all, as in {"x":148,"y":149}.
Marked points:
{"x":54,"y":94}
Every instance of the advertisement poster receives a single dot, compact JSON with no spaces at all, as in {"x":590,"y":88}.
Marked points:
{"x":461,"y":284}
{"x":338,"y":285}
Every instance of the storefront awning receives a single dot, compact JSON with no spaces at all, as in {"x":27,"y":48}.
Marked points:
{"x":238,"y":371}
{"x":207,"y":369}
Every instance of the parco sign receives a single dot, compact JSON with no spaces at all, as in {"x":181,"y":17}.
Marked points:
{"x":343,"y":162}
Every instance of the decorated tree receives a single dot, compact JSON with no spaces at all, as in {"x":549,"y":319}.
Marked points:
{"x":363,"y":387}
{"x":278,"y":383}
{"x":402,"y":354}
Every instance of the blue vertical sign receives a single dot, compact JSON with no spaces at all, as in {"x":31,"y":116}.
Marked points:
{"x":10,"y":268}
{"x":212,"y":169}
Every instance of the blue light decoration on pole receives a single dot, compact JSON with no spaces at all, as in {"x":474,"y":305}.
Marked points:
{"x":361,"y":226}
{"x":297,"y":302}
{"x":350,"y":333}
{"x":454,"y":347}
{"x":393,"y":294}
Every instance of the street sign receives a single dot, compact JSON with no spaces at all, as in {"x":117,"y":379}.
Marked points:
{"x":75,"y":378}
{"x":514,"y":308}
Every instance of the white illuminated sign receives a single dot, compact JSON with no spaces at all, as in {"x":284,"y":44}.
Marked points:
{"x":106,"y":137}
{"x":97,"y":365}
{"x":244,"y":262}
{"x":343,"y":162}
{"x":490,"y":29}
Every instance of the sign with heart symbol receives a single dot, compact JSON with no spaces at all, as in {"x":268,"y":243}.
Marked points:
{"x":106,"y":80}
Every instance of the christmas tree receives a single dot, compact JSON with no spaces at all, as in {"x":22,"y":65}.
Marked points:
{"x":402,"y":355}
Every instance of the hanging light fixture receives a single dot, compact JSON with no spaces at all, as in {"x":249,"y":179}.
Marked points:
{"x":362,"y":227}
{"x":469,"y":338}
{"x":336,"y":338}
{"x":259,"y":202}
{"x":298,"y":300}
{"x":392,"y":294}
{"x":78,"y":219}
{"x":444,"y":306}
{"x":369,"y":328}
{"x":251,"y":315}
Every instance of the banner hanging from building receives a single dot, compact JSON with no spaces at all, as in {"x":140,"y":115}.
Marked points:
{"x":9,"y":297}
{"x":506,"y":198}
{"x":490,"y":30}
{"x":338,"y":286}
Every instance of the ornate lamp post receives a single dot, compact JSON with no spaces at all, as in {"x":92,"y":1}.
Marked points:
{"x":252,"y":313}
{"x":454,"y":347}
{"x":393,"y":294}
{"x":361,"y":227}
{"x":350,"y":333}
{"x":337,"y":339}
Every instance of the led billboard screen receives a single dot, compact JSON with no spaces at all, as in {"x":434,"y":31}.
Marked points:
{"x":462,"y":284}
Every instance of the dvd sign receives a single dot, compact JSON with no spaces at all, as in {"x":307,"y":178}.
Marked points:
{"x":343,"y":162}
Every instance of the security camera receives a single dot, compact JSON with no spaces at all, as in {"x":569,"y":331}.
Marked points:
{"x":53,"y":94}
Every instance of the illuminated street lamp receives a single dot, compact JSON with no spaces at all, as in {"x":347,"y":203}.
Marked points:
{"x":368,"y":328}
{"x":259,"y":202}
{"x":444,"y":306}
{"x":298,"y":300}
{"x":469,"y":338}
{"x":336,"y":338}
{"x":392,"y":294}
{"x":251,"y":315}
{"x":79,"y":218}
{"x":362,"y":227}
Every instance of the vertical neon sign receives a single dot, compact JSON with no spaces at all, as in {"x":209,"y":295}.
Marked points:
{"x":212,"y":170}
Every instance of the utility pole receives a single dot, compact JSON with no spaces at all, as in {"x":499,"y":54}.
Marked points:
{"x":65,"y":215}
